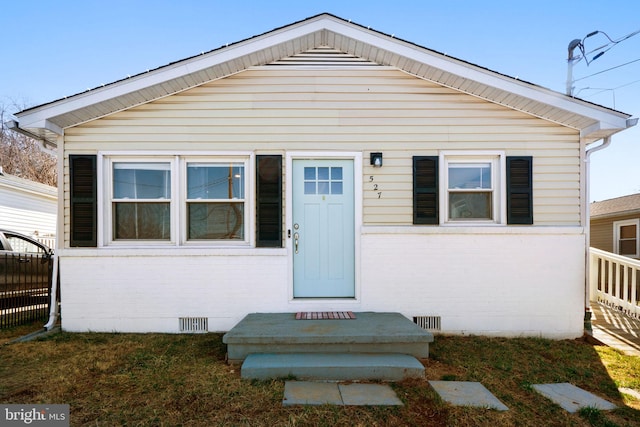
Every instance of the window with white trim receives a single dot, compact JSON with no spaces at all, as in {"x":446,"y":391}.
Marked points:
{"x":215,"y":201}
{"x":141,"y":202}
{"x":472,"y":188}
{"x":626,"y":238}
{"x":169,"y":199}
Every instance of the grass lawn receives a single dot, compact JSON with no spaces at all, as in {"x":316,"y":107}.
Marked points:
{"x":173,"y":380}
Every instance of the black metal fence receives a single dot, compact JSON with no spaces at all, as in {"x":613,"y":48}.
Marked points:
{"x":25,"y":288}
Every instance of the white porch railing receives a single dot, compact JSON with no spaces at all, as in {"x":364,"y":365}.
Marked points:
{"x":615,"y":281}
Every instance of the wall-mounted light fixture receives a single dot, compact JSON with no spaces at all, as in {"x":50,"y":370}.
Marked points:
{"x":376,"y":160}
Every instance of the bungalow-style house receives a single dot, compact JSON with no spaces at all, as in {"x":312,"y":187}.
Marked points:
{"x":323,"y":166}
{"x":615,"y":225}
{"x":28,"y":207}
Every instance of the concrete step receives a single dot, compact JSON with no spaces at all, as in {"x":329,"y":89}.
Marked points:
{"x":332,"y":366}
{"x":367,"y":333}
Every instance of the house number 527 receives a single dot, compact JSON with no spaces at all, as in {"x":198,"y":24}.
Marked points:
{"x":375,"y":187}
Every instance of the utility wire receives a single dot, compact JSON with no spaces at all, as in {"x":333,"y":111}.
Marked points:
{"x":611,"y":44}
{"x":608,"y":69}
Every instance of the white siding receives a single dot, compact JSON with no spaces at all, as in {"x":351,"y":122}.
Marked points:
{"x":386,"y":110}
{"x":514,"y":283}
{"x":27,"y":208}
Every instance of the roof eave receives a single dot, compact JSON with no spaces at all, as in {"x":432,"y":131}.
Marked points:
{"x":594,"y":122}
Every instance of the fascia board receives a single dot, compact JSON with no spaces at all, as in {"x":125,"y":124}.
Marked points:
{"x":482,"y":76}
{"x":38,"y":116}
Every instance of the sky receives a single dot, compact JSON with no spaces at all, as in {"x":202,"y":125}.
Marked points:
{"x":53,"y":49}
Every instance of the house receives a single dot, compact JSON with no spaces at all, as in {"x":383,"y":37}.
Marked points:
{"x":323,"y":166}
{"x":615,"y":225}
{"x":28,"y":207}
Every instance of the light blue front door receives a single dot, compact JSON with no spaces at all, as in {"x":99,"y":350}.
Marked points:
{"x":323,"y":229}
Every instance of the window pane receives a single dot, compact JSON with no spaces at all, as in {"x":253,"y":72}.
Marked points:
{"x":323,"y":173}
{"x":627,"y":247}
{"x":323,"y":187}
{"x":141,"y":181}
{"x":470,"y":175}
{"x":628,"y":231}
{"x":470,"y":205}
{"x":146,"y":221}
{"x":216,"y":221}
{"x":309,"y":188}
{"x":336,"y":174}
{"x":215,"y":181}
{"x":310,"y":173}
{"x":336,"y":187}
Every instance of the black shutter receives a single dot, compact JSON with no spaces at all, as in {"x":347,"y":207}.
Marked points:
{"x":269,"y":201}
{"x":425,"y":190}
{"x":519,"y":190}
{"x":84,"y":198}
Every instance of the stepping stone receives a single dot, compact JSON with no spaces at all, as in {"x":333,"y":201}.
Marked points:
{"x":331,"y":393}
{"x":572,"y":398}
{"x":311,"y":393}
{"x":368,"y":394}
{"x":464,"y":393}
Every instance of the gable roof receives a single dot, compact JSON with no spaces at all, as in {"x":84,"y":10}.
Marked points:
{"x":620,"y":205}
{"x":325,"y":30}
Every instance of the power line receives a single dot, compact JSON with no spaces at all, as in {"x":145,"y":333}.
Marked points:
{"x":608,"y":69}
{"x":602,"y":90}
{"x":579,"y":44}
{"x":611,"y":43}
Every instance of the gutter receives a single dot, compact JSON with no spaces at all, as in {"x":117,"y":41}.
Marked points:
{"x":15,"y":126}
{"x":587,"y":219}
{"x":53,"y":305}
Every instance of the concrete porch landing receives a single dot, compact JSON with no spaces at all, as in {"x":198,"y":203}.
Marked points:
{"x":367,"y":333}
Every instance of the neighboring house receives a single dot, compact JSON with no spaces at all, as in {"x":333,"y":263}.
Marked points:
{"x":28,"y":207}
{"x":615,"y":225}
{"x":323,"y":166}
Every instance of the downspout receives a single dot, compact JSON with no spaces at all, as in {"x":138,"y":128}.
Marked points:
{"x":587,"y":221}
{"x":53,"y":305}
{"x":55,"y":285}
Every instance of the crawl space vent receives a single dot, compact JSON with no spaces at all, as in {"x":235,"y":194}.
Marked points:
{"x":194,"y":324}
{"x":430,"y":323}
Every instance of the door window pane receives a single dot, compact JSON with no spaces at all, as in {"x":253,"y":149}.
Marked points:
{"x":323,"y":180}
{"x":309,"y":174}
